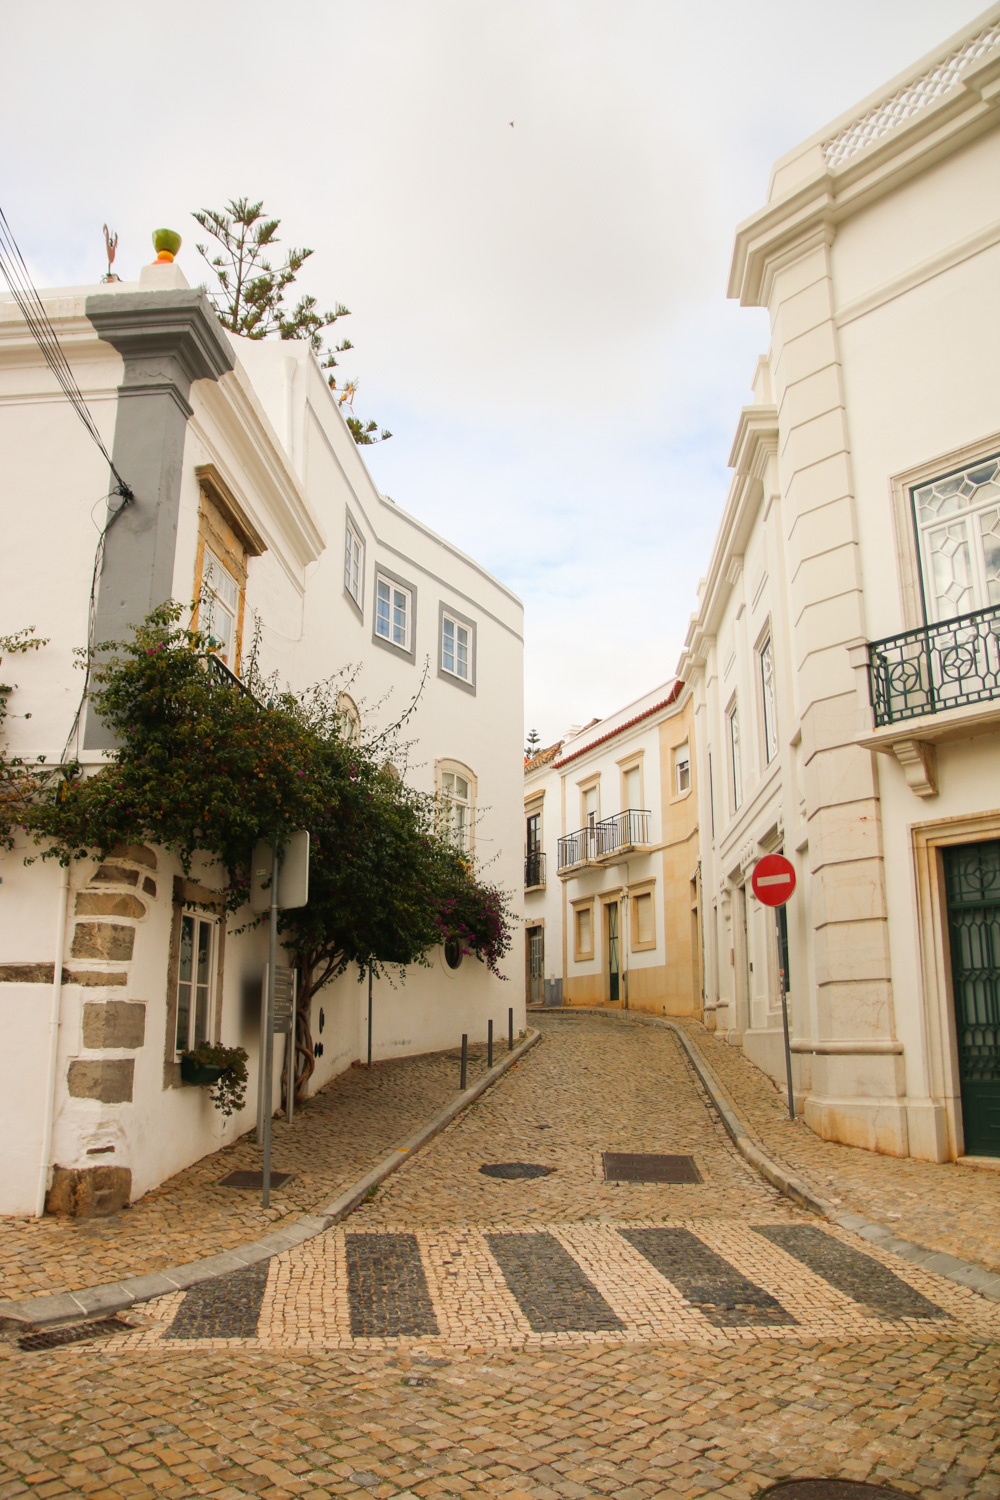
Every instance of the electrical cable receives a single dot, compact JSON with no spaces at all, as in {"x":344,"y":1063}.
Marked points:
{"x":33,"y":311}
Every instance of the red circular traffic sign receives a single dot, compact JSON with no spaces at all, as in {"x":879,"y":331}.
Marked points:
{"x":773,"y":879}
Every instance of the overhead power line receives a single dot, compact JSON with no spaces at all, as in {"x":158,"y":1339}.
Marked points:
{"x":25,"y":295}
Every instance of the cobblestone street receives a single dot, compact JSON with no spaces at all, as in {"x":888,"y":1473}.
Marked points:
{"x":544,"y":1335}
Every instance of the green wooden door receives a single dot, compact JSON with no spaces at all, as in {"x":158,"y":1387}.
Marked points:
{"x":972,"y":882}
{"x":614,"y":957}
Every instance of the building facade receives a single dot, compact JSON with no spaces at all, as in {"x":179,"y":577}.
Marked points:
{"x":251,"y":498}
{"x":612,"y":893}
{"x":843,"y":656}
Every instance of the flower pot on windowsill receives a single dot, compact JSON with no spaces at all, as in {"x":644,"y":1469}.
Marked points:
{"x":193,"y":1071}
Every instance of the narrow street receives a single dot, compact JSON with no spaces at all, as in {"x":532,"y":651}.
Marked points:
{"x":545,"y":1334}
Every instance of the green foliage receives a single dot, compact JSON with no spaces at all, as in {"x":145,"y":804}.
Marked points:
{"x":250,"y":298}
{"x":229,"y":1090}
{"x":21,"y":781}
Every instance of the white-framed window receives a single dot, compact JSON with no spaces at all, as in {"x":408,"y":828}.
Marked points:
{"x":735,"y":764}
{"x":682,"y":768}
{"x":354,"y":563}
{"x":632,"y":788}
{"x":589,"y":807}
{"x":769,"y":707}
{"x":221,"y":593}
{"x":197,"y":956}
{"x":456,"y":800}
{"x":456,"y":656}
{"x":957,"y":518}
{"x":393,"y":612}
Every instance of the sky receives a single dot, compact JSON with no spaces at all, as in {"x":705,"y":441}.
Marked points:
{"x":528,"y":206}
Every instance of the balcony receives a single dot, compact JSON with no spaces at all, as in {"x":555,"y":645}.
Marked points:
{"x":602,"y":842}
{"x":534,"y":871}
{"x":950,"y":665}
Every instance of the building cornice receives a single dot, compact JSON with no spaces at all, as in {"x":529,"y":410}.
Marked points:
{"x":809,"y":215}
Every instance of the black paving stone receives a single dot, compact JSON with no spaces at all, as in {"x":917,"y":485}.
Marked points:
{"x":720,"y":1293}
{"x":386,"y":1287}
{"x":552,"y":1291}
{"x":227,"y":1307}
{"x":856,"y":1275}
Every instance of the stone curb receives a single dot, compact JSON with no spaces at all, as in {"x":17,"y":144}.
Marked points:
{"x":116,"y":1296}
{"x":965,"y":1273}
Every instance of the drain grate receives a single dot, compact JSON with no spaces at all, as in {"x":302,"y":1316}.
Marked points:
{"x":73,"y":1333}
{"x":246,"y":1179}
{"x":508,"y":1171}
{"x":637,"y":1166}
{"x":828,"y":1489}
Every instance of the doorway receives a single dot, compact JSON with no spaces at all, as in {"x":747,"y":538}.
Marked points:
{"x":972,"y":886}
{"x":613,"y":951}
{"x":536,"y":965}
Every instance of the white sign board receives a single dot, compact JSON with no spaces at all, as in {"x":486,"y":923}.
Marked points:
{"x":293,"y":873}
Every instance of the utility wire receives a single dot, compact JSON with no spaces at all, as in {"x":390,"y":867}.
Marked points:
{"x":25,"y":295}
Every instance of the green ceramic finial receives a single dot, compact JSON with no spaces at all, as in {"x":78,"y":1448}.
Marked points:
{"x":166,"y":242}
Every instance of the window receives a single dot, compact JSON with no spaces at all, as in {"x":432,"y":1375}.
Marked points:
{"x":395,"y":612}
{"x":221,"y":604}
{"x":643,"y":918}
{"x":711,"y":794}
{"x":195,"y":975}
{"x":350,"y":718}
{"x":682,"y":768}
{"x":957,"y":518}
{"x":456,"y":648}
{"x":583,"y":931}
{"x":770,"y":713}
{"x":354,"y":563}
{"x":632,"y":788}
{"x":735,"y":769}
{"x":456,"y":802}
{"x":589,"y":806}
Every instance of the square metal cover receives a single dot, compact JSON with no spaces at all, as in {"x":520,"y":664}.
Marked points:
{"x":638,"y":1166}
{"x":247,"y":1179}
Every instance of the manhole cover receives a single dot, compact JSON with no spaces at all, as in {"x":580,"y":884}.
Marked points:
{"x":508,"y":1170}
{"x":253,"y":1179}
{"x":828,"y":1489}
{"x":75,"y":1333}
{"x":637,"y":1166}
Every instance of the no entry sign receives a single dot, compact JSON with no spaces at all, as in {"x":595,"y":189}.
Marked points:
{"x":773,"y":879}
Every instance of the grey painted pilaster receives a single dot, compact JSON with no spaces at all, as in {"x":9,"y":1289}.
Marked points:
{"x":167,"y":339}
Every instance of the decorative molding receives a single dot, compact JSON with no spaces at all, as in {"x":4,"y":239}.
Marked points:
{"x":225,"y":500}
{"x":919,"y":762}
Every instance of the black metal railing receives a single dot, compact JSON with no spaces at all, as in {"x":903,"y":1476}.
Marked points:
{"x":947,"y":665}
{"x":624,"y":830}
{"x":576,"y":848}
{"x":219,"y":669}
{"x":534,"y":869}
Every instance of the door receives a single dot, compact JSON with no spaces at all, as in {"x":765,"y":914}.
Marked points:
{"x":536,"y":965}
{"x":972,"y":884}
{"x":614,"y":954}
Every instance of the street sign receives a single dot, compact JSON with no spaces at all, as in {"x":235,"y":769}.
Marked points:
{"x":284,"y":999}
{"x":293,"y":879}
{"x":773,"y":879}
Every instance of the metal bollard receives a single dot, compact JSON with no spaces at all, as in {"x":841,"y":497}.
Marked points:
{"x":489,"y":1047}
{"x":465,"y":1061}
{"x":510,"y":1029}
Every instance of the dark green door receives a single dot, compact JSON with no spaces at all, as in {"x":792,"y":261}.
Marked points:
{"x":972,"y":882}
{"x":613,"y":953}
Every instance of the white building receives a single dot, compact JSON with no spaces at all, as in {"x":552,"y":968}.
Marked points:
{"x":612,"y":895}
{"x":248,"y":482}
{"x":844,"y":656}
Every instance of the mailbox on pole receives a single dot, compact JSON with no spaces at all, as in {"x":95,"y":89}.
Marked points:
{"x":772,"y":882}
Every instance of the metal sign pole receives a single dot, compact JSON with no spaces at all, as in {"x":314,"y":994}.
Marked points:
{"x":369,"y":1017}
{"x":788,"y":1049}
{"x":267,"y":1060}
{"x":290,"y":1059}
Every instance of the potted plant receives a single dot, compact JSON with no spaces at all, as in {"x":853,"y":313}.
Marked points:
{"x":223,"y":1069}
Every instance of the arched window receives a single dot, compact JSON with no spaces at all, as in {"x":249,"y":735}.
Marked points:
{"x":456,"y":791}
{"x":350,"y":718}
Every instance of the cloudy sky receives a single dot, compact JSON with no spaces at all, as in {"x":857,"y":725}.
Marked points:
{"x":538,"y":307}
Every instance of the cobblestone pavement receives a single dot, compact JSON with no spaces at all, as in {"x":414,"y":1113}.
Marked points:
{"x":334,"y":1139}
{"x":545,"y":1337}
{"x":945,"y":1206}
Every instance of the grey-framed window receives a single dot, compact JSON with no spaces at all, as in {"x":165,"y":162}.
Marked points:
{"x":765,"y":657}
{"x":456,"y":648}
{"x":394,"y":626}
{"x":735,"y":763}
{"x":354,"y":566}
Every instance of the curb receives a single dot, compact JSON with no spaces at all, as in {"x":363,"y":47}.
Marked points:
{"x":117,"y":1296}
{"x":951,"y":1267}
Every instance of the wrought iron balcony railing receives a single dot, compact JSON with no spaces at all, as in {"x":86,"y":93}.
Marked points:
{"x":219,"y":669}
{"x":534,"y":870}
{"x":624,"y":830}
{"x":946,"y":665}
